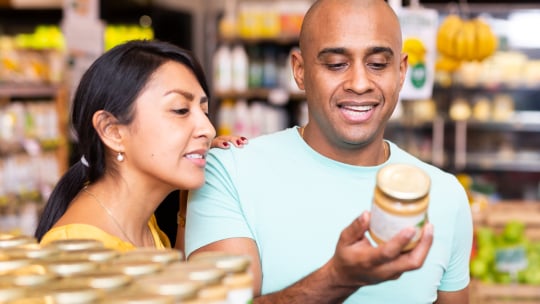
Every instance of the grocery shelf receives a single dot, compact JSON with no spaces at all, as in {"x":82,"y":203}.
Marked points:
{"x":514,"y":125}
{"x":279,"y":40}
{"x":27,"y":90}
{"x":260,"y":93}
{"x":518,"y":161}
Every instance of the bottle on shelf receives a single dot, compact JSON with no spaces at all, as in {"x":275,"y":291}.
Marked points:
{"x":255,"y":67}
{"x":240,"y":68}
{"x":226,"y":117}
{"x":242,"y":118}
{"x":222,"y":63}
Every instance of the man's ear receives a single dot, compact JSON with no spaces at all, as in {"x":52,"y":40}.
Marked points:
{"x":108,"y":129}
{"x":297,"y":64}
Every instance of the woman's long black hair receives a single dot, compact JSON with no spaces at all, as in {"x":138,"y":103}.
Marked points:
{"x":112,"y":83}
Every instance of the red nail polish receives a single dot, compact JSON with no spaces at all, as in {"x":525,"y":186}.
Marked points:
{"x":238,"y":141}
{"x":243,"y":138}
{"x":225,"y":144}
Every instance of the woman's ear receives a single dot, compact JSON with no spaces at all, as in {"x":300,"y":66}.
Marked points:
{"x":108,"y":129}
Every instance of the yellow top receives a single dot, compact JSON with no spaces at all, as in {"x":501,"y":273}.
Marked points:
{"x":78,"y":231}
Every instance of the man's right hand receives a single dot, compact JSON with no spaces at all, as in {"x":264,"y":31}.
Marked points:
{"x":357,"y":263}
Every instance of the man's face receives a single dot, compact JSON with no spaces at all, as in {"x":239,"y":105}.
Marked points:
{"x":352,"y":69}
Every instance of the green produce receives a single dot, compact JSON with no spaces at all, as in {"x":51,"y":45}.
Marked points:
{"x":506,"y":257}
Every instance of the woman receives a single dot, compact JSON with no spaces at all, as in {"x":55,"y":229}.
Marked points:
{"x":140,"y":114}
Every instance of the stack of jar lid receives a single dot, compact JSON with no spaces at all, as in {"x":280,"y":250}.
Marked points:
{"x":84,"y":271}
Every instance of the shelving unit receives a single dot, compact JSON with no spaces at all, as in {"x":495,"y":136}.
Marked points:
{"x":39,"y":92}
{"x":31,"y":161}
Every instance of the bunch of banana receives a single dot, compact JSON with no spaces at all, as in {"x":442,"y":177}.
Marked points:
{"x":464,"y":40}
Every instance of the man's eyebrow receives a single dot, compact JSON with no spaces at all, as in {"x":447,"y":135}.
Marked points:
{"x":342,"y":51}
{"x":380,"y":49}
{"x":334,"y":50}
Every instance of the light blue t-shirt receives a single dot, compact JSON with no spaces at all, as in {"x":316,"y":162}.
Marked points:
{"x":294,"y":203}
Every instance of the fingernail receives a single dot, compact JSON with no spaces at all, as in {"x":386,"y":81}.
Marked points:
{"x":243,"y":138}
{"x":238,"y":141}
{"x":225,"y":144}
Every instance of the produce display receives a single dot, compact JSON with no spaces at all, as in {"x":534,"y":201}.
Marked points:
{"x":461,"y":40}
{"x":508,"y":256}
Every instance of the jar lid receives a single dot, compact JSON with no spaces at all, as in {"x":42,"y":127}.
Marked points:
{"x":170,"y":285}
{"x":31,"y":251}
{"x":403,"y":181}
{"x":11,"y":292}
{"x":213,"y":293}
{"x":161,"y":255}
{"x":93,"y":254}
{"x":133,"y":296}
{"x":101,"y":279}
{"x":10,"y":240}
{"x":134,"y":268}
{"x":198,"y":271}
{"x":230,"y":263}
{"x":76,"y":244}
{"x":12,"y":264}
{"x":65,"y":294}
{"x":68,"y":267}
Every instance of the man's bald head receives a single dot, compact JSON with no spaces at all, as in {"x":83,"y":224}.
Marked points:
{"x":335,"y":6}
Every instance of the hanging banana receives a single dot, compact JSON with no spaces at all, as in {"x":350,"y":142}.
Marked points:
{"x":463,"y":40}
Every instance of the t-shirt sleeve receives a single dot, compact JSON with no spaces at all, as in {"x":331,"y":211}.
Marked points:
{"x":457,"y":275}
{"x":214,"y":212}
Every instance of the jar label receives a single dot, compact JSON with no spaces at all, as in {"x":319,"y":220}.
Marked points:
{"x":384,"y":225}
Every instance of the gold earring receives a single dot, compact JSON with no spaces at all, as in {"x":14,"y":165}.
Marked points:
{"x":120,"y":157}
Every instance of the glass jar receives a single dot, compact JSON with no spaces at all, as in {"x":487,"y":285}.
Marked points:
{"x":401,"y":199}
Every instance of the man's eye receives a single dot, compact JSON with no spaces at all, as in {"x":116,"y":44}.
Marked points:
{"x":335,"y":66}
{"x":377,"y":65}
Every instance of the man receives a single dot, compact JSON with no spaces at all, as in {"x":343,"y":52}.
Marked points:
{"x":288,"y":198}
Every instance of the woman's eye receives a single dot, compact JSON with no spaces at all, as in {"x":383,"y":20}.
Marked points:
{"x":181,"y":111}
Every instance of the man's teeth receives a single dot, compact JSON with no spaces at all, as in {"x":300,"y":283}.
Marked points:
{"x":195,"y":156}
{"x":359,"y":108}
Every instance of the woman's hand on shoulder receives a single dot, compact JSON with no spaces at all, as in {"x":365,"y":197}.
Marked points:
{"x":225,"y":141}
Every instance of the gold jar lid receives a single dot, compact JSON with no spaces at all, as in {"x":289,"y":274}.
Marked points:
{"x":11,"y":292}
{"x":10,"y":240}
{"x":68,"y":267}
{"x":137,"y":296}
{"x":30,"y":300}
{"x":31,"y":251}
{"x":198,"y":271}
{"x":134,"y":268}
{"x":7,"y":264}
{"x":92,"y":254}
{"x":230,"y":263}
{"x":239,"y":280}
{"x":76,"y":244}
{"x":213,"y":293}
{"x":403,"y":181}
{"x":29,"y":275}
{"x":101,"y":279}
{"x":170,"y":285}
{"x":62,"y":294}
{"x":163,"y":255}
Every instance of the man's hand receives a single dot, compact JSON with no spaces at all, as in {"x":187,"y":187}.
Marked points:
{"x":357,"y":263}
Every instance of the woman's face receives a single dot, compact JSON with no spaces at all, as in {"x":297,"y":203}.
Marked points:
{"x":170,"y":136}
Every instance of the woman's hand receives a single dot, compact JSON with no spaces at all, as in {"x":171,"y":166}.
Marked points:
{"x":224,"y":141}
